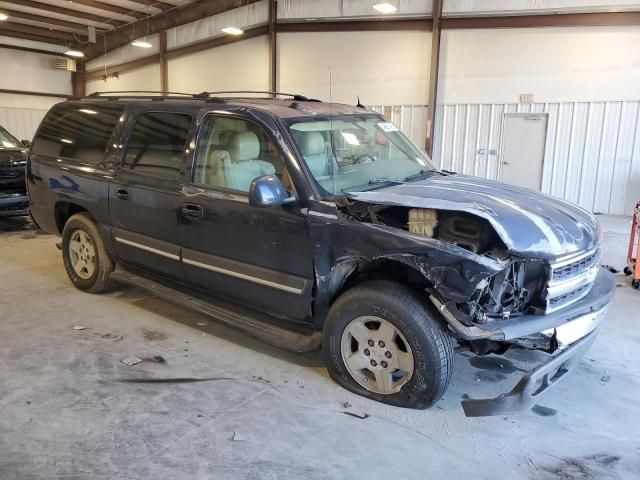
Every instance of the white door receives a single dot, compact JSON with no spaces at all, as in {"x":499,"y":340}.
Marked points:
{"x":523,"y":140}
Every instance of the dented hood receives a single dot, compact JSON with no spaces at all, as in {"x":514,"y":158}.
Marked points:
{"x":529,"y":223}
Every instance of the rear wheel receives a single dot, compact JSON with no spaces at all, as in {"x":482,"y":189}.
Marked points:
{"x":384,"y":341}
{"x":86,"y":261}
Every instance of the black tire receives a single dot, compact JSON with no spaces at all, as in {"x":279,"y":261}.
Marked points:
{"x":100,"y":279}
{"x":416,"y":319}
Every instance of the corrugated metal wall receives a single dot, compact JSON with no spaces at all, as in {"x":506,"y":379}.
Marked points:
{"x":21,"y":122}
{"x":411,"y":119}
{"x":592,"y":151}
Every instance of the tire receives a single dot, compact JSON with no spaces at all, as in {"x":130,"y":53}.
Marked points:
{"x":96,"y":279}
{"x":415,"y":321}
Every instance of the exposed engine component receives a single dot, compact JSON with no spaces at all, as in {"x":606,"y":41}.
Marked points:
{"x":422,"y":221}
{"x":466,"y":231}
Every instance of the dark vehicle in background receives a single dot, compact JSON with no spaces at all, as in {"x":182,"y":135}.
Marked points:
{"x":13,"y":159}
{"x":314,"y":225}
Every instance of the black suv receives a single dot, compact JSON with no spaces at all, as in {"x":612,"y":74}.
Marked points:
{"x":13,"y":158}
{"x":314,"y":225}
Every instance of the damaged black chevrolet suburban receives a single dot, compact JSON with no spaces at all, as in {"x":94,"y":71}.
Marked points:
{"x":314,"y":225}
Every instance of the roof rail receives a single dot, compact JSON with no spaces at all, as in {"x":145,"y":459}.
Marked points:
{"x":296,"y":96}
{"x":146,"y":92}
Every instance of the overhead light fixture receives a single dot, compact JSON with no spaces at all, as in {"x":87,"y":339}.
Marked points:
{"x":74,"y":53}
{"x":3,"y":16}
{"x":385,"y":7}
{"x":90,"y":112}
{"x":66,"y":140}
{"x":141,"y":44}
{"x":233,"y":30}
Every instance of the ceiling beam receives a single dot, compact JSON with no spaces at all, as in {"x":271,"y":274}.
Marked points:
{"x":107,"y":7}
{"x":29,"y":49}
{"x":191,"y":12}
{"x":28,"y":36}
{"x":357,"y":25}
{"x":555,"y":20}
{"x":80,"y":25}
{"x":152,"y":3}
{"x":53,"y":35}
{"x":66,"y":11}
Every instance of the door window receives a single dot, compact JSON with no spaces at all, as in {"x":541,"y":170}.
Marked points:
{"x":232,"y":152}
{"x":157,"y":144}
{"x":77,"y":131}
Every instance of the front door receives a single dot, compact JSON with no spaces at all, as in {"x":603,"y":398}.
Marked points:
{"x":258,"y":257}
{"x":146,"y":193}
{"x":523,"y":145}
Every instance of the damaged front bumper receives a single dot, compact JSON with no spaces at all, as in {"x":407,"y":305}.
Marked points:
{"x":571,"y":331}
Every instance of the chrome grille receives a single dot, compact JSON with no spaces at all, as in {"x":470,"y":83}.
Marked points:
{"x":571,"y":279}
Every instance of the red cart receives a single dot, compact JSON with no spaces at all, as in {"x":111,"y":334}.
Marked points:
{"x":633,"y":265}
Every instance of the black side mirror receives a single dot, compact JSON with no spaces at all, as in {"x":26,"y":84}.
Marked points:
{"x":268,"y":191}
{"x":25,"y":143}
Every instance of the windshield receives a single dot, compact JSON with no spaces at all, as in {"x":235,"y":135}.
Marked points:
{"x":356,"y":152}
{"x":7,"y":140}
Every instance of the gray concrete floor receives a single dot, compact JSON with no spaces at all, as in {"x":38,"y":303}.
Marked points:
{"x":70,"y":409}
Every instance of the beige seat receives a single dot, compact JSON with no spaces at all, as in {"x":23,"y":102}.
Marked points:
{"x":316,"y":154}
{"x":240,"y":165}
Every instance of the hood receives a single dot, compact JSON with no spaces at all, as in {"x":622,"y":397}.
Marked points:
{"x":529,"y":223}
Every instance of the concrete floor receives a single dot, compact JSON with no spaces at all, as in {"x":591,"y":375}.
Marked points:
{"x":70,"y":409}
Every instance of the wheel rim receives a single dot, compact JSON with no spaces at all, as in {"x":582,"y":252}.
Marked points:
{"x":82,"y":254}
{"x":377,"y":355}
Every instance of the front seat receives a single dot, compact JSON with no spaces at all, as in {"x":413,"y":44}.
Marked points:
{"x":315,"y":154}
{"x":242,"y":165}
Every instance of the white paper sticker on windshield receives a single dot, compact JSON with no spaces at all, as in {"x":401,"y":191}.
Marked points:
{"x":387,"y":127}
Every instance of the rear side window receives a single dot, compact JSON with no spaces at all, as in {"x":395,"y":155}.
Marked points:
{"x":157,"y":144}
{"x":78,"y":132}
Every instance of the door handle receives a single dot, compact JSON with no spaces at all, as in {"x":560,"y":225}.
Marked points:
{"x":122,"y":194}
{"x":192,"y":210}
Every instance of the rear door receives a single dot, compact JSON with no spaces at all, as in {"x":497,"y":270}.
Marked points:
{"x":146,"y":192}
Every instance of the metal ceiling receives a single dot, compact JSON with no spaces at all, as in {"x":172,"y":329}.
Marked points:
{"x":65,"y":22}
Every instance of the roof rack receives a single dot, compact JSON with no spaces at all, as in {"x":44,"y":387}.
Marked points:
{"x":146,"y":92}
{"x":295,"y":96}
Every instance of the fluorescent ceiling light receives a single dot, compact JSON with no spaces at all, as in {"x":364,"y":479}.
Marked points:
{"x":141,"y":44}
{"x":74,"y":53}
{"x":65,"y":140}
{"x":3,"y":16}
{"x":385,"y":7}
{"x":90,"y":112}
{"x":233,"y":30}
{"x":8,"y":144}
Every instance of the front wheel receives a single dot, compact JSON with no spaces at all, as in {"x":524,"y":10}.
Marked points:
{"x":383,"y":341}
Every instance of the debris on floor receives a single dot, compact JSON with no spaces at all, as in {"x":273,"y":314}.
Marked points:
{"x":361,"y":417}
{"x":153,"y":336}
{"x":346,"y":405}
{"x":237,"y":437}
{"x":130,"y":361}
{"x":78,"y":327}
{"x":155,"y":359}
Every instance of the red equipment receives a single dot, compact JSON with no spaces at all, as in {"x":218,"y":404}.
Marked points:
{"x":633,"y":265}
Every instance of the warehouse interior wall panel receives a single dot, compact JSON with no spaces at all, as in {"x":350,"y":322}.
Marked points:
{"x":554,"y":64}
{"x":125,"y":53}
{"x":524,"y":7}
{"x":296,"y":9}
{"x":22,"y":123}
{"x":592,"y":149}
{"x":388,"y":68}
{"x":238,"y":66}
{"x":243,"y":17}
{"x":32,"y":72}
{"x":143,"y":78}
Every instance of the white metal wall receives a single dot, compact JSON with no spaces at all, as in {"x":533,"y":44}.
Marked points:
{"x":592,"y":151}
{"x":21,"y":122}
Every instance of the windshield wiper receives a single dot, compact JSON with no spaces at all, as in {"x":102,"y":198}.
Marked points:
{"x":418,"y":175}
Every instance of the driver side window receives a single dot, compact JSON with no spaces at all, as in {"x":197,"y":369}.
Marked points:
{"x":232,"y":152}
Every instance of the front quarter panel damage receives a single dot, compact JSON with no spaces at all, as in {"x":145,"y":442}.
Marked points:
{"x":343,"y":246}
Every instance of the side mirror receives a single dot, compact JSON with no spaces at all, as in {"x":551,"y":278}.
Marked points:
{"x":25,"y":143}
{"x":268,"y":191}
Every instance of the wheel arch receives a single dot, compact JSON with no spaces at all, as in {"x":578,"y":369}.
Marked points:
{"x":65,"y":210}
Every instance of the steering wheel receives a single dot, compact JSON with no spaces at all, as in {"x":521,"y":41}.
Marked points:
{"x":364,"y":158}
